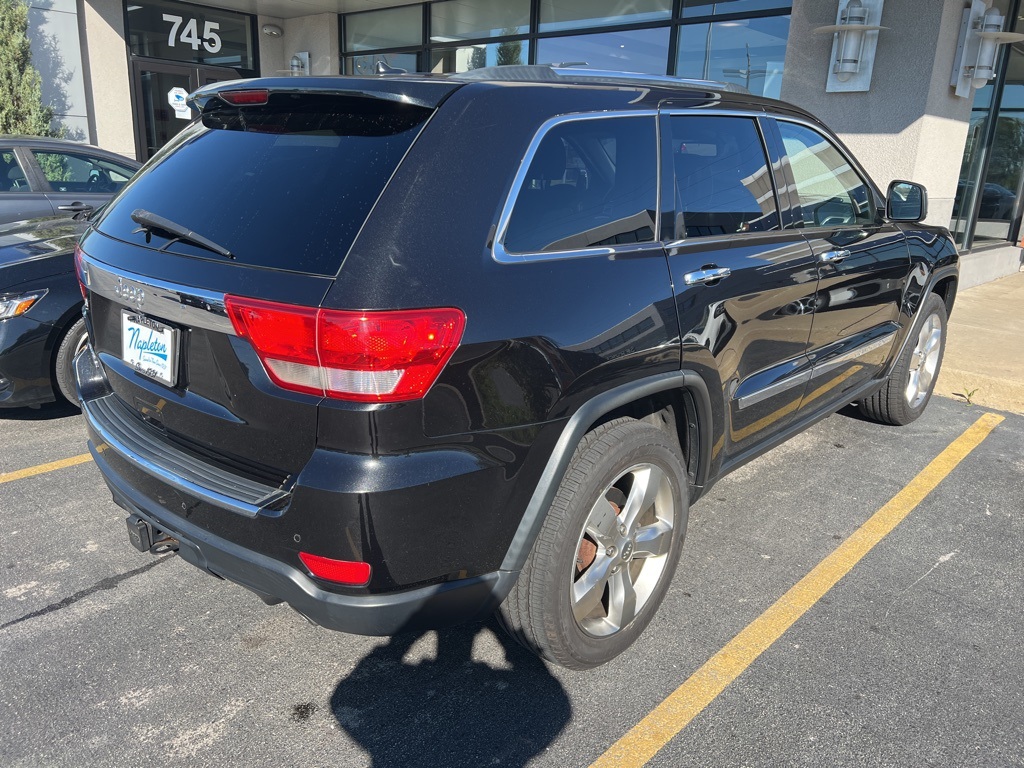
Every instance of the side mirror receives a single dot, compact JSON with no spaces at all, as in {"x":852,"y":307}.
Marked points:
{"x":906,"y":201}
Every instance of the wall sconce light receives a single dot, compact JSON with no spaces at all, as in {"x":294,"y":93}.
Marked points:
{"x":854,"y":40}
{"x":272,"y":30}
{"x":981,"y":34}
{"x":299,"y":64}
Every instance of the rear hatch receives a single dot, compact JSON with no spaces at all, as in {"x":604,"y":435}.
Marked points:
{"x":263,"y":200}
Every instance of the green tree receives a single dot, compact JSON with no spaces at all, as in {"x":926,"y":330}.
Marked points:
{"x":21,"y":106}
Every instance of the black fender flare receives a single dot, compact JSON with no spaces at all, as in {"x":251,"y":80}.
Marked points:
{"x":578,"y":425}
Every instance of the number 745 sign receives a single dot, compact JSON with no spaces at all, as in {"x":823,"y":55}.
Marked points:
{"x":190,"y":33}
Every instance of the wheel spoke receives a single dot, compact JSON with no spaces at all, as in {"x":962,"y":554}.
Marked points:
{"x":588,"y":589}
{"x":602,"y":520}
{"x":621,"y":599}
{"x":913,"y":386}
{"x":646,"y":483}
{"x":653,"y":540}
{"x":924,"y":378}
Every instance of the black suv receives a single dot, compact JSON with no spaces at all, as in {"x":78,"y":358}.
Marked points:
{"x":405,"y":350}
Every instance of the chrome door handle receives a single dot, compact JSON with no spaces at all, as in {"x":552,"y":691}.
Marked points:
{"x":833,"y":257}
{"x":706,"y":275}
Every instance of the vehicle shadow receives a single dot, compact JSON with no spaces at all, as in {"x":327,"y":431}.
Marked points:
{"x":451,"y":710}
{"x":46,"y":412}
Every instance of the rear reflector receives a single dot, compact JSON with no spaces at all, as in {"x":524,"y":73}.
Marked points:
{"x":348,"y":572}
{"x":80,"y":273}
{"x":374,"y":357}
{"x":243,"y":98}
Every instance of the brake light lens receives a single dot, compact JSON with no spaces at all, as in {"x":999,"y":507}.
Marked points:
{"x":255,"y":96}
{"x":80,"y":273}
{"x":354,"y":574}
{"x":374,"y":357}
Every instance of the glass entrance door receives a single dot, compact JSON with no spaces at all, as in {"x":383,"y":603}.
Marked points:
{"x":160,"y":92}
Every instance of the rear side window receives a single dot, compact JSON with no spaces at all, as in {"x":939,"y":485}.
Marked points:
{"x":830,"y":191}
{"x":12,"y":177}
{"x":285,"y":186}
{"x":590,"y":183}
{"x":723,"y":181}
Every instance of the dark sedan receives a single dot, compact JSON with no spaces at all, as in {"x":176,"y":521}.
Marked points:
{"x":41,"y":324}
{"x":47,"y":177}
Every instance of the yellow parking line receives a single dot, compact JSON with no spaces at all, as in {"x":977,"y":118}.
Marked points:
{"x":8,"y":477}
{"x":674,"y":713}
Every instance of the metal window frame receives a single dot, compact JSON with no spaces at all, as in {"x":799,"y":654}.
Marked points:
{"x":534,"y":35}
{"x":1013,"y":235}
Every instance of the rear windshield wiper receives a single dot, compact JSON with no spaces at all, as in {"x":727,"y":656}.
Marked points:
{"x":148,"y":222}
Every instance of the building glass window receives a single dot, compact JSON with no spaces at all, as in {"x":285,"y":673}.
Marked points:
{"x":987,"y":207}
{"x":389,"y":28}
{"x":748,"y":52}
{"x":738,"y":41}
{"x":366,"y":64}
{"x":190,"y":33}
{"x":634,"y":50}
{"x":480,"y":55}
{"x":561,"y":15}
{"x":692,"y":8}
{"x":457,"y":20}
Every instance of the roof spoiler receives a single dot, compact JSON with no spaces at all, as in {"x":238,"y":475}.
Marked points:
{"x":415,"y":92}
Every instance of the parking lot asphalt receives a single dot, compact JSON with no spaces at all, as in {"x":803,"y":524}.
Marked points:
{"x":109,"y":657}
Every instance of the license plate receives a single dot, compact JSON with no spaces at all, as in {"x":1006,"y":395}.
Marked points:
{"x":149,"y":347}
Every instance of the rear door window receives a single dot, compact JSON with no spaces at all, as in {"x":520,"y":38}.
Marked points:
{"x":830,"y":191}
{"x":285,"y":186}
{"x":77,"y":172}
{"x":591,"y":183}
{"x":723,"y":180}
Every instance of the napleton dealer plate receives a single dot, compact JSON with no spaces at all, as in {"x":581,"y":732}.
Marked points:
{"x":149,"y":347}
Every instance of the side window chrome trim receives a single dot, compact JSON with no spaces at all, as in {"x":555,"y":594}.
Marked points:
{"x":498,"y":251}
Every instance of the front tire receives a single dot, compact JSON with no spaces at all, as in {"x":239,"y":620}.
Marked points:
{"x":607,"y":551}
{"x":906,"y":392}
{"x":64,"y":366}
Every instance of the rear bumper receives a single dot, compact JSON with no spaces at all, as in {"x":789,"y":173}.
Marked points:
{"x":386,"y":614}
{"x":145,"y":481}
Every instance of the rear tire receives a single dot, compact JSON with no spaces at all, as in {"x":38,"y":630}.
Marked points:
{"x":64,"y":366}
{"x":608,"y":548}
{"x":906,"y":392}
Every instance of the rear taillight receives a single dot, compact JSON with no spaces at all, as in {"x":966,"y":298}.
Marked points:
{"x":80,"y":273}
{"x":354,"y":574}
{"x":374,"y":357}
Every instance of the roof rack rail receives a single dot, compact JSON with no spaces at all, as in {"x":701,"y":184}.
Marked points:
{"x":561,"y":72}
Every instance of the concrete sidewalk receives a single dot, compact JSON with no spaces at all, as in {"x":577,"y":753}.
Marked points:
{"x":985,"y":346}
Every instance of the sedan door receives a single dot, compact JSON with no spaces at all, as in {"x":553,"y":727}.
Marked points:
{"x":79,"y":180}
{"x":21,"y":195}
{"x":744,"y":285}
{"x":863,"y":264}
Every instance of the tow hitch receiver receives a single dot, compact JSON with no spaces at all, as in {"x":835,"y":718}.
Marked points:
{"x":145,"y":538}
{"x":140,"y":533}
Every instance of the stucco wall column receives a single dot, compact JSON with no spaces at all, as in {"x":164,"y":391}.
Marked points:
{"x":108,"y":86}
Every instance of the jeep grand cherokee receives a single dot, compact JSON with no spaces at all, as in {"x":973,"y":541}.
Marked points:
{"x":405,"y":350}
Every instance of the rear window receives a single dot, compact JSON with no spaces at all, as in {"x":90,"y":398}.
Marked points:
{"x":285,"y":186}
